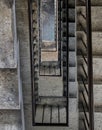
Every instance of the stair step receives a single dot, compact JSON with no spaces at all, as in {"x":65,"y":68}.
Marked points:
{"x":71,"y":29}
{"x":10,"y":120}
{"x":96,"y":18}
{"x":73,"y":117}
{"x":50,"y":86}
{"x":72,"y":43}
{"x":50,"y":70}
{"x":8,"y":58}
{"x":96,"y":42}
{"x":72,"y":73}
{"x":97,"y":70}
{"x":97,"y":96}
{"x":93,"y":3}
{"x":73,"y":89}
{"x":9,"y":95}
{"x":71,"y":15}
{"x":58,"y":91}
{"x":52,"y":101}
{"x":49,"y":56}
{"x":72,"y":58}
{"x":97,"y":121}
{"x":71,"y":3}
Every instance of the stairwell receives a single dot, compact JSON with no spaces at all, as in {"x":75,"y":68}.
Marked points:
{"x":11,"y":103}
{"x":46,"y":82}
{"x":12,"y":115}
{"x":96,"y":7}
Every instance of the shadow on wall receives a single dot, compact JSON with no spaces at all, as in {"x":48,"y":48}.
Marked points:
{"x":8,"y":3}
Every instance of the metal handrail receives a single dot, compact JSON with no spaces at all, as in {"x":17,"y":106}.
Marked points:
{"x":83,"y":43}
{"x":85,"y":31}
{"x":89,"y":64}
{"x":83,"y":56}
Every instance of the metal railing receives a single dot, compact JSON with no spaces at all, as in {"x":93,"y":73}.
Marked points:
{"x":86,"y":69}
{"x":44,"y":107}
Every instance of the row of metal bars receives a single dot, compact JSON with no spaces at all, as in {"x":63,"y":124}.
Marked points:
{"x":86,"y":92}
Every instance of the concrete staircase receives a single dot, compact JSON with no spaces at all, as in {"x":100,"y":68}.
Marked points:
{"x":97,"y":56}
{"x":10,"y":82}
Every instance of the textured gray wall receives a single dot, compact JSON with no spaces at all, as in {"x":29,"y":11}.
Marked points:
{"x":7,"y":52}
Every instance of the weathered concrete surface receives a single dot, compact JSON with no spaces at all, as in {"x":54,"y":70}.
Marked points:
{"x":9,"y":95}
{"x":50,"y":86}
{"x":96,"y":18}
{"x":72,"y":43}
{"x":72,"y":14}
{"x":72,"y":58}
{"x":7,"y":47}
{"x":21,"y":4}
{"x":49,"y":56}
{"x":72,"y":29}
{"x":73,"y":117}
{"x":97,"y":96}
{"x":97,"y":71}
{"x":73,"y":89}
{"x":96,"y":42}
{"x":97,"y":121}
{"x":10,"y":120}
{"x":93,"y":3}
{"x":72,"y":73}
{"x":27,"y":93}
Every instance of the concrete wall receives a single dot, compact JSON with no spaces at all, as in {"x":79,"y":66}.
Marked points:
{"x":7,"y":37}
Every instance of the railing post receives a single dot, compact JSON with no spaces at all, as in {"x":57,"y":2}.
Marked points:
{"x":90,"y":64}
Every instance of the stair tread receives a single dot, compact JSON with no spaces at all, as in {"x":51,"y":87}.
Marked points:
{"x":8,"y":44}
{"x":9,"y":95}
{"x":96,"y":42}
{"x":97,"y":120}
{"x":97,"y":73}
{"x":72,"y":73}
{"x":73,"y":89}
{"x":96,"y":18}
{"x":73,"y":117}
{"x":50,"y":86}
{"x":72,"y":43}
{"x":93,"y":3}
{"x":97,"y":97}
{"x":10,"y":120}
{"x":72,"y":58}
